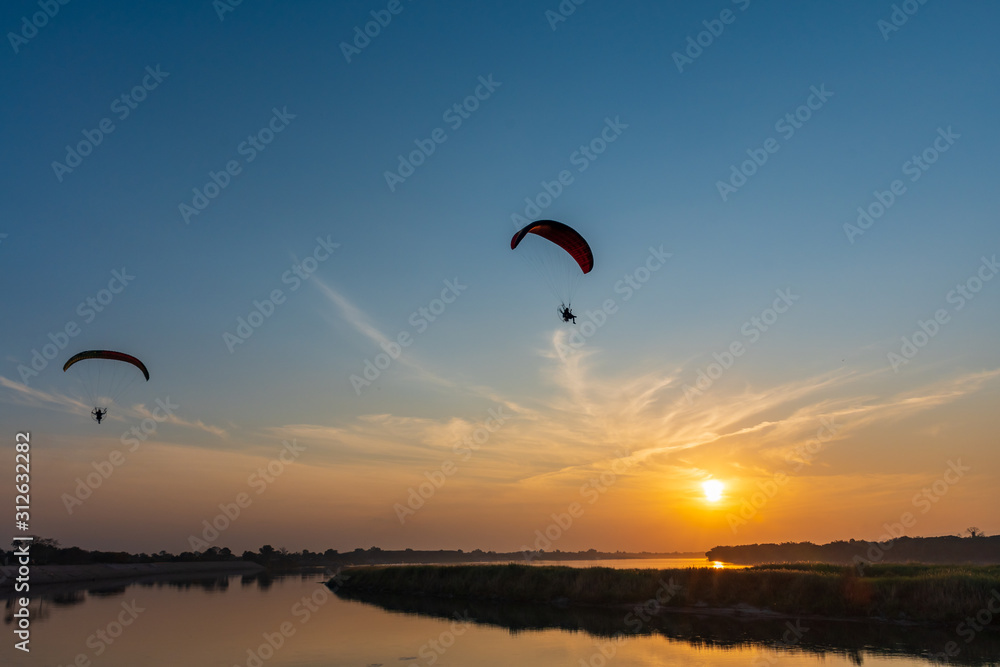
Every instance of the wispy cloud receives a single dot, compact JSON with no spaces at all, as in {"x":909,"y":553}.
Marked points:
{"x":141,"y":411}
{"x":648,"y":417}
{"x":363,"y":325}
{"x":20,"y":394}
{"x":593,"y":417}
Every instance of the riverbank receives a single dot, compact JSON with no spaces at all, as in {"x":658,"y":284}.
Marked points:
{"x":926,"y":594}
{"x":42,"y":575}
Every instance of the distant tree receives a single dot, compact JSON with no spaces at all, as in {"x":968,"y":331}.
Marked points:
{"x":974,"y":531}
{"x":43,"y":550}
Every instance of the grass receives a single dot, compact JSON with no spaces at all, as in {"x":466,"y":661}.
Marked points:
{"x":918,"y":593}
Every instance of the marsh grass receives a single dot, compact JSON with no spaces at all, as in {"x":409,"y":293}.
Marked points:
{"x":917,"y":593}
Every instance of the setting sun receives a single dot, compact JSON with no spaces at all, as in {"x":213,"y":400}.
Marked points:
{"x":713,"y":490}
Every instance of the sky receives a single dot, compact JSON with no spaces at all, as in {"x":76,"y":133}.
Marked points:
{"x":792,"y":209}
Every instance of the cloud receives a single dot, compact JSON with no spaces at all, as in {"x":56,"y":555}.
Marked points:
{"x":21,"y":394}
{"x":360,"y":321}
{"x":141,"y":411}
{"x":647,"y":415}
{"x":363,"y":325}
{"x":594,"y":417}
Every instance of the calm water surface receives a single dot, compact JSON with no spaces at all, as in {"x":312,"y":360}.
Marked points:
{"x":226,"y":622}
{"x":652,"y":563}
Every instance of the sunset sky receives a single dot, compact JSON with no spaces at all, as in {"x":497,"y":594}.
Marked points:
{"x":772,"y":212}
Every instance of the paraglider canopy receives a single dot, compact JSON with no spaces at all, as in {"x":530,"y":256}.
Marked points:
{"x":563,"y":236}
{"x":558,"y":254}
{"x":104,"y":376}
{"x":107,"y":354}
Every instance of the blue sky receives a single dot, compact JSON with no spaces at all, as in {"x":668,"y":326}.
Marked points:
{"x":323,"y":176}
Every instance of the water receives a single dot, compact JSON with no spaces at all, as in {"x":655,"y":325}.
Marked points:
{"x":233,"y":621}
{"x":641,"y":563}
{"x":617,"y":563}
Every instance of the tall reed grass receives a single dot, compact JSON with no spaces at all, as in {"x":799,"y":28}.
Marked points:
{"x":918,"y":593}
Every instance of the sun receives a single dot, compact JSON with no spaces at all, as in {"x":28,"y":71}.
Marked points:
{"x":713,"y":490}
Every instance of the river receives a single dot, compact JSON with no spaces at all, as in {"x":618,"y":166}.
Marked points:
{"x":296,"y":621}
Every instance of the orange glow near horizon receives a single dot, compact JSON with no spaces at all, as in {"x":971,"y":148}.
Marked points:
{"x":772,"y":467}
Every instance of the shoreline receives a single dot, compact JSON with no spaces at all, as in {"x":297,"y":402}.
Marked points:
{"x":44,"y":575}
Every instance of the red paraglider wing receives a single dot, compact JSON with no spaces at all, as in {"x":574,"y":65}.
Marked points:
{"x":563,"y":236}
{"x":107,"y":354}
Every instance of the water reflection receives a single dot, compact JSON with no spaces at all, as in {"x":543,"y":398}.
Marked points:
{"x":74,"y":593}
{"x":213,"y":621}
{"x":853,"y":640}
